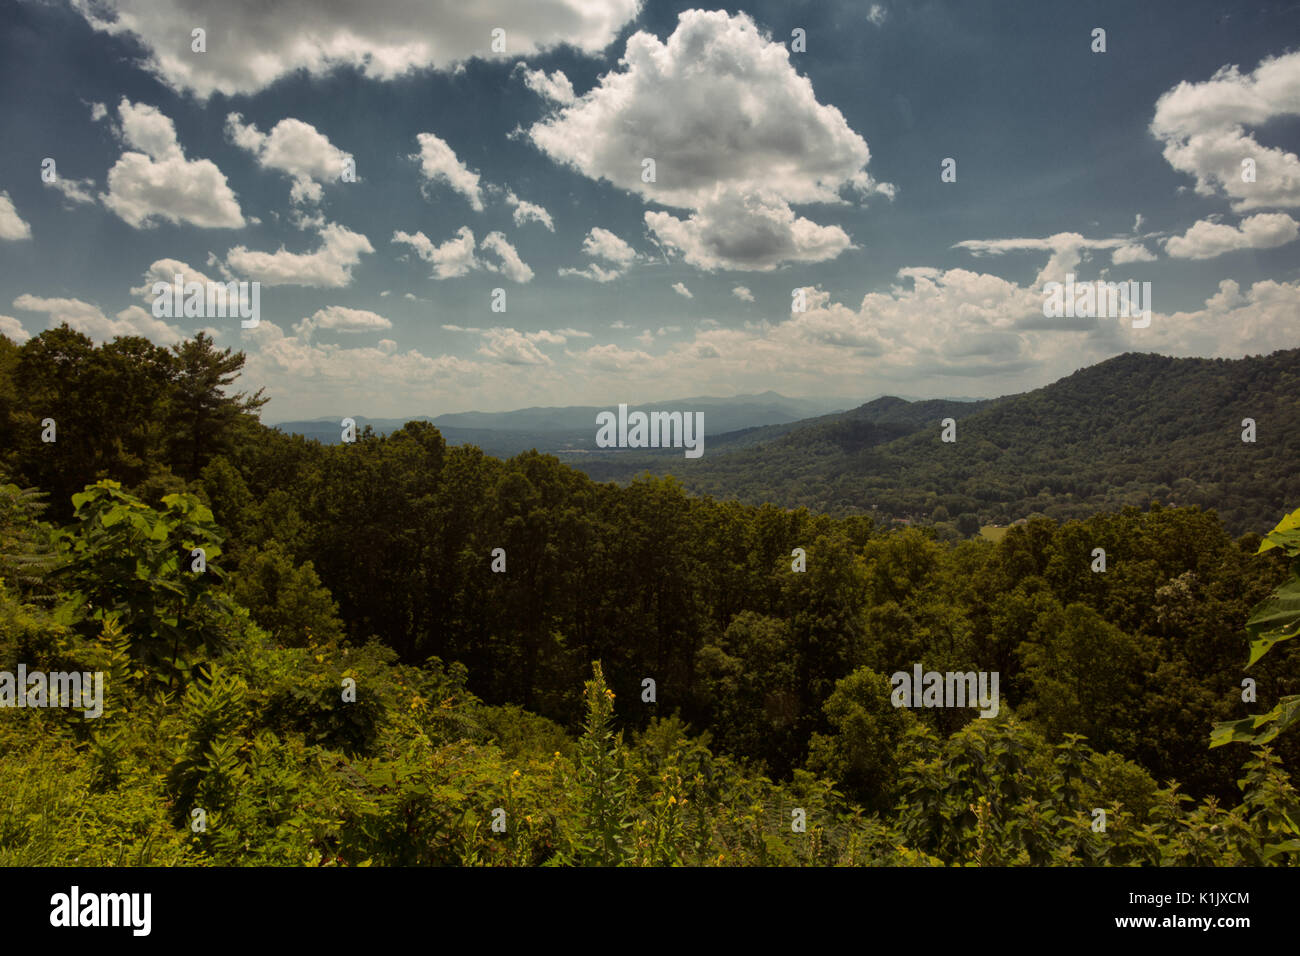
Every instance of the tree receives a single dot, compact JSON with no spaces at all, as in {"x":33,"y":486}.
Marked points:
{"x":203,"y":418}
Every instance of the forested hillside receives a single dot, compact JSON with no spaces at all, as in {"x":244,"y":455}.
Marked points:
{"x":1130,"y":430}
{"x":496,"y":623}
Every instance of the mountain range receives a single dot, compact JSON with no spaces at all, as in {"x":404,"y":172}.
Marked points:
{"x":1131,"y":430}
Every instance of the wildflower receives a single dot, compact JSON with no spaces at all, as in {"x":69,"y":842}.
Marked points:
{"x":515,"y":774}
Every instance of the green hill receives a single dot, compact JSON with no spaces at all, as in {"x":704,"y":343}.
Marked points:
{"x":1126,"y":431}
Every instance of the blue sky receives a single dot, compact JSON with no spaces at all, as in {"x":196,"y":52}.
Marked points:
{"x":775,"y":170}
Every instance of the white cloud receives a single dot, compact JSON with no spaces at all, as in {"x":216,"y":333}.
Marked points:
{"x":337,"y":318}
{"x":1204,"y":129}
{"x":555,"y":87}
{"x":438,"y":163}
{"x":453,"y":258}
{"x":329,"y":267}
{"x":154,"y":180}
{"x":166,"y":270}
{"x":13,"y":329}
{"x":74,"y":190}
{"x":88,"y":319}
{"x":514,"y":347}
{"x":877,"y":14}
{"x":97,"y":112}
{"x":511,"y":266}
{"x":752,"y":232}
{"x":737,"y":136}
{"x":680,"y":289}
{"x":251,"y":45}
{"x":1067,"y":248}
{"x":528,"y":212}
{"x":1131,"y":252}
{"x":594,"y":272}
{"x":612,"y":358}
{"x":1207,"y":239}
{"x":603,"y":244}
{"x":12,"y":225}
{"x":309,"y":375}
{"x":743,"y":294}
{"x":457,"y":257}
{"x":292,"y":147}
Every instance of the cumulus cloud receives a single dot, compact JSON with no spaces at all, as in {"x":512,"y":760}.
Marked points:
{"x":251,"y":45}
{"x":1067,"y":251}
{"x":737,"y":136}
{"x":613,"y":358}
{"x":1207,"y":239}
{"x":88,"y":319}
{"x":743,"y":294}
{"x":328,"y":267}
{"x":555,"y":87}
{"x":528,"y":212}
{"x":511,"y":266}
{"x":680,"y":289}
{"x":754,"y":232}
{"x":438,"y":163}
{"x":1131,"y":252}
{"x":1204,"y":127}
{"x":74,"y":190}
{"x":515,"y":347}
{"x":458,"y":256}
{"x":166,"y":270}
{"x":292,"y":147}
{"x":13,"y":329}
{"x":153,"y":180}
{"x":603,"y":244}
{"x":12,"y":225}
{"x":337,"y":318}
{"x":311,"y":374}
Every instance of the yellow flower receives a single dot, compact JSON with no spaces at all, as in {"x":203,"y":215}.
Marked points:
{"x":515,"y":774}
{"x":671,"y":801}
{"x":557,"y":755}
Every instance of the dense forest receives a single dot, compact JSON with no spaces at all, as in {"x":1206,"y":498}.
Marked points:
{"x":1130,"y":430}
{"x":394,"y":651}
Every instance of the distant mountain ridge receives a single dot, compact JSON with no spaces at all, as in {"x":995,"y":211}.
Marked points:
{"x":1132,"y":429}
{"x":1127,"y":431}
{"x":573,"y":427}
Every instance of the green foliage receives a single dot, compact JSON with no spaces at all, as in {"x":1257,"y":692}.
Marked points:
{"x":601,"y":779}
{"x":136,"y":563}
{"x":285,"y":598}
{"x":1273,"y":621}
{"x":348,"y":682}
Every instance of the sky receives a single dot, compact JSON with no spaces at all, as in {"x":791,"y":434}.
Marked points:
{"x":503,"y":242}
